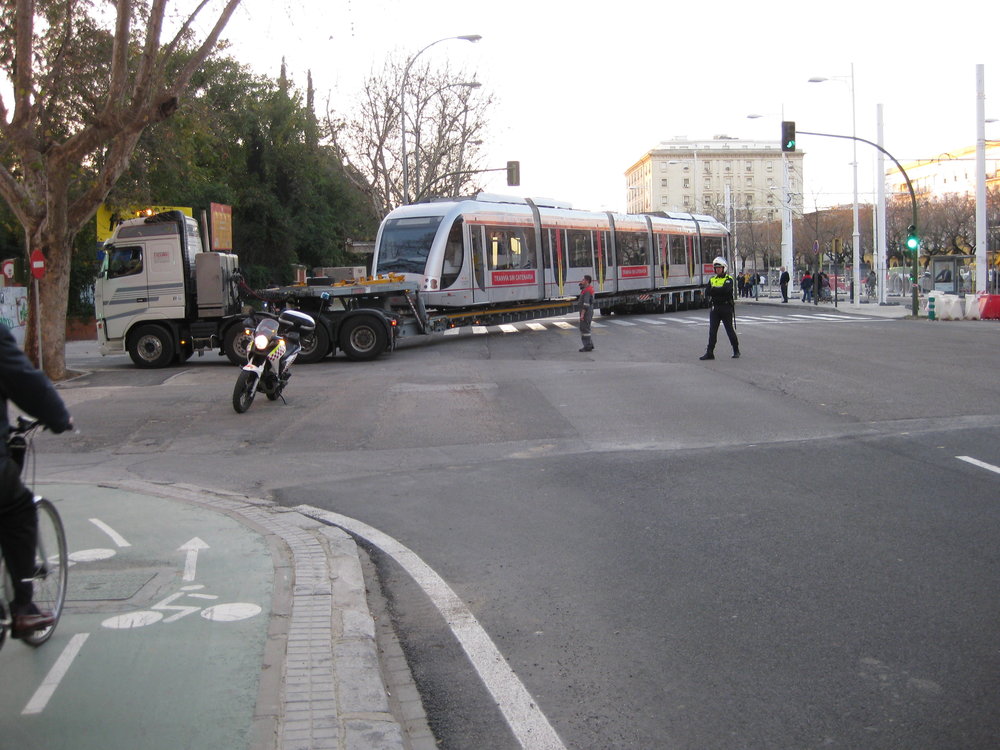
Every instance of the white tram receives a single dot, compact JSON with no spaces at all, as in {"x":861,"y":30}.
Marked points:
{"x":492,"y":250}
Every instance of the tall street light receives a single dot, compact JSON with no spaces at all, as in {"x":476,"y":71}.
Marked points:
{"x":856,"y":236}
{"x":402,"y":105}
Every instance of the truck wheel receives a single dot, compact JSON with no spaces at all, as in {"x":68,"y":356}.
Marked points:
{"x":315,"y":346}
{"x":235,"y":343}
{"x":151,"y":346}
{"x":363,"y":338}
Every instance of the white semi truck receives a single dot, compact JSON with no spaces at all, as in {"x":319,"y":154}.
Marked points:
{"x":160,"y":296}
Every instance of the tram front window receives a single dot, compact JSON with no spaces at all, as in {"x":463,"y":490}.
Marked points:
{"x":406,"y":243}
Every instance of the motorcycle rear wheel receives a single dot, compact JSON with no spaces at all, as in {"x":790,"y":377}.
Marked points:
{"x":244,"y":391}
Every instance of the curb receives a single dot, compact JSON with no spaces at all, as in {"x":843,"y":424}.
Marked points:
{"x":321,"y":684}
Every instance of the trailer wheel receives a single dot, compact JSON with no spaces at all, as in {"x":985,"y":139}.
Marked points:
{"x":151,"y":347}
{"x":363,"y":338}
{"x":315,"y":346}
{"x":235,"y":343}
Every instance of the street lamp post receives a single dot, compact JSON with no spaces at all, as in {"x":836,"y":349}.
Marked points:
{"x":402,"y":106}
{"x":856,"y":235}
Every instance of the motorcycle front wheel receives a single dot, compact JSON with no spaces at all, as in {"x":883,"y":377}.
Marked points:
{"x":245,"y":390}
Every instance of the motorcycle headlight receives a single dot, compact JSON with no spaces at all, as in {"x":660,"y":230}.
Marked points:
{"x":260,"y":341}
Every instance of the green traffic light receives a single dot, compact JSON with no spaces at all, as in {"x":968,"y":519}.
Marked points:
{"x":912,"y":240}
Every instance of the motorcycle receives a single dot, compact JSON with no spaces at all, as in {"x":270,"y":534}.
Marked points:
{"x":272,"y":350}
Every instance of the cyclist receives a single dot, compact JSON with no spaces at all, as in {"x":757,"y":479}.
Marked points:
{"x":32,"y":392}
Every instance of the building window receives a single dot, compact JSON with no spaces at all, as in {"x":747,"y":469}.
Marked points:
{"x":687,"y":200}
{"x":687,"y":182}
{"x":749,"y":181}
{"x":749,"y":166}
{"x":663,"y":182}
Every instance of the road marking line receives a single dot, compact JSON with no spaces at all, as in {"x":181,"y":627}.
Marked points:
{"x":525,"y":719}
{"x":479,"y":330}
{"x":622,"y":322}
{"x":508,"y":328}
{"x":41,"y":697}
{"x":563,"y":324}
{"x":535,"y":326}
{"x":115,"y":536}
{"x":980,"y":464}
{"x":653,"y":321}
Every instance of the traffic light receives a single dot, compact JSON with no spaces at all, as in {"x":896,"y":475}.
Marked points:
{"x":787,"y":135}
{"x":513,"y":173}
{"x":912,"y":239}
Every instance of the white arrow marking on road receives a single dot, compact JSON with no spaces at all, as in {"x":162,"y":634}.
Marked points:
{"x":192,"y":547}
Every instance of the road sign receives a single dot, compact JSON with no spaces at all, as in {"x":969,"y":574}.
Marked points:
{"x":37,"y":264}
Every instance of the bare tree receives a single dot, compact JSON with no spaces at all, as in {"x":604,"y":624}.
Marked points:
{"x":445,"y":126}
{"x":85,"y":85}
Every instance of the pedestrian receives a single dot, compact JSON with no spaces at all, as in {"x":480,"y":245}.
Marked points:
{"x":721,"y":293}
{"x":586,"y":303}
{"x":32,"y":392}
{"x":783,"y":282}
{"x":806,"y":285}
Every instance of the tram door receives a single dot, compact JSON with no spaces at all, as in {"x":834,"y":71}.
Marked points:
{"x":478,"y":262}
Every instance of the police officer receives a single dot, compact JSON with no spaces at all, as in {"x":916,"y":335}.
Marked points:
{"x":721,"y":293}
{"x":34,"y":394}
{"x":586,"y":303}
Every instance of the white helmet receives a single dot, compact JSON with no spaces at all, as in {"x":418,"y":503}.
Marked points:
{"x":720,"y":261}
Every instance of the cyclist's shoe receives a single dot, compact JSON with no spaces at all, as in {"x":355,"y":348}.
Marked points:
{"x":28,"y":622}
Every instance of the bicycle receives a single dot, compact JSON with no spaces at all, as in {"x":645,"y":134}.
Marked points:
{"x":51,"y":563}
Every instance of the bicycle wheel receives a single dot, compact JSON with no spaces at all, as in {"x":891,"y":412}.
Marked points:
{"x":50,"y":568}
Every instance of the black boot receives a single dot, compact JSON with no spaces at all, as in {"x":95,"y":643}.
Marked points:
{"x":707,"y":355}
{"x":736,"y":353}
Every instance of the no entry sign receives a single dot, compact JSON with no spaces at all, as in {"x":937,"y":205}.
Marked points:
{"x":37,"y":264}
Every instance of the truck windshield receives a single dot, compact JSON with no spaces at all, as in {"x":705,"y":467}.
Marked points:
{"x":406,"y":244}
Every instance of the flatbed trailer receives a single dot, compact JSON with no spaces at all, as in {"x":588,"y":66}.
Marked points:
{"x":368,"y":317}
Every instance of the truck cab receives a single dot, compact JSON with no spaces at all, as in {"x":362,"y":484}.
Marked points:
{"x":158,"y":295}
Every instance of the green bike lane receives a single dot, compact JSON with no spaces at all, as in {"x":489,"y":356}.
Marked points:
{"x":162,"y":640}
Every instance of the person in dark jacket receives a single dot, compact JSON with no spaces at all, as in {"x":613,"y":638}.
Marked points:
{"x":586,"y":303}
{"x":783,"y":283}
{"x":31,"y":392}
{"x":721,"y":293}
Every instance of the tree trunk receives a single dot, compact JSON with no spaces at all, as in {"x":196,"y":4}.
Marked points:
{"x":53,"y":290}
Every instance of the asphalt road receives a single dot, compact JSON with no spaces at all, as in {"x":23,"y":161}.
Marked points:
{"x":779,"y":551}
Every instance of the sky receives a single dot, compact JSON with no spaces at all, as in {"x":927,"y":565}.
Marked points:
{"x":582,"y":91}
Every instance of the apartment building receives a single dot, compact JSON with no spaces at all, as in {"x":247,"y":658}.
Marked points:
{"x":951,"y":173}
{"x":693,"y":176}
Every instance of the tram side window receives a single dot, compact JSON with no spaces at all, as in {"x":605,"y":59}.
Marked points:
{"x":678,"y":247}
{"x":477,"y":256}
{"x":579,"y":245}
{"x":711,"y":247}
{"x":124,"y":261}
{"x":451,"y":264}
{"x":509,"y":248}
{"x":602,"y":249}
{"x":554,"y":245}
{"x":632,"y":248}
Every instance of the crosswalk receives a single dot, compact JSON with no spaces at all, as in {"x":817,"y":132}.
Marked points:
{"x":663,"y":322}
